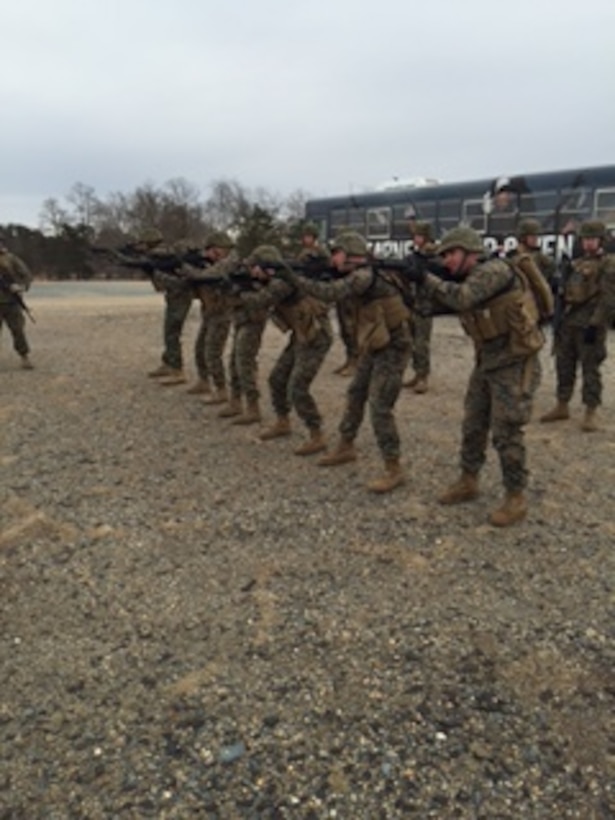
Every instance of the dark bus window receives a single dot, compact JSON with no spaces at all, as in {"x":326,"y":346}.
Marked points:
{"x":604,"y":206}
{"x":378,"y":223}
{"x":347,"y":219}
{"x":402,"y":214}
{"x":473,"y":214}
{"x":449,"y":214}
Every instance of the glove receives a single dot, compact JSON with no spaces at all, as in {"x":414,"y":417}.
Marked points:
{"x":414,"y":273}
{"x":286,"y":275}
{"x":590,"y":335}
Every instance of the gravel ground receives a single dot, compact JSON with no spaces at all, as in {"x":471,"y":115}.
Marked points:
{"x":197,"y":624}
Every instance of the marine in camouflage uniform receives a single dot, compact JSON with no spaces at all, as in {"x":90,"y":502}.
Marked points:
{"x":528,"y":236}
{"x":422,"y":319}
{"x":215,"y":321}
{"x":247,"y":333}
{"x":588,"y":294}
{"x":310,"y":339}
{"x":344,"y":311}
{"x":16,"y":278}
{"x":499,"y":312}
{"x":383,"y":339}
{"x":178,"y":296}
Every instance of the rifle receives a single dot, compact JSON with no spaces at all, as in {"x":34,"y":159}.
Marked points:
{"x":16,"y":297}
{"x":562,"y":273}
{"x":130,"y":256}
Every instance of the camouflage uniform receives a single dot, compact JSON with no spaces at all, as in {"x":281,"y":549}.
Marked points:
{"x":589,"y":307}
{"x":422,"y":319}
{"x":378,"y":377}
{"x":545,"y":264}
{"x":215,"y":317}
{"x":178,"y":297}
{"x":15,"y":274}
{"x":505,"y":375}
{"x":248,"y":326}
{"x":344,"y":312}
{"x":310,"y":339}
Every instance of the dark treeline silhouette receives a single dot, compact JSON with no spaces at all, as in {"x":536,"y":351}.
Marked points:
{"x":61,"y":248}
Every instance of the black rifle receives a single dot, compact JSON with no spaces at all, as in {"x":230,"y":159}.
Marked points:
{"x":16,"y":297}
{"x":562,"y":274}
{"x":130,"y":256}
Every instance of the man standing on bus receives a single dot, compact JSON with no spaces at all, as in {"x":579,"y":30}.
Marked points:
{"x":588,"y":296}
{"x":498,"y":311}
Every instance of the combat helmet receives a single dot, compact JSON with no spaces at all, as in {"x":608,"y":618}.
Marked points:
{"x":264,"y":255}
{"x":423,"y":229}
{"x":465,"y":238}
{"x":351,"y":243}
{"x":150,"y":237}
{"x":528,"y":227}
{"x":310,"y":229}
{"x":592,"y":229}
{"x":218,"y":239}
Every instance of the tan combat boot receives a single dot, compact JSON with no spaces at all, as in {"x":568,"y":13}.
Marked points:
{"x":163,"y":370}
{"x":393,"y":477}
{"x":233,"y":408}
{"x":590,"y":422}
{"x":199,"y":388}
{"x":464,"y":489}
{"x":251,"y":415}
{"x":279,"y":428}
{"x":559,"y":413}
{"x":513,"y":509}
{"x":343,"y":454}
{"x":315,"y":444}
{"x":420,"y":385}
{"x":219,"y":396}
{"x":349,"y":369}
{"x":411,"y":382}
{"x":26,"y":364}
{"x":173,"y":378}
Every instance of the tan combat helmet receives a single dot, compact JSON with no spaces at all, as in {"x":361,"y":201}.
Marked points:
{"x":466,"y":239}
{"x":264,"y":255}
{"x":592,"y":229}
{"x":219,"y":239}
{"x":528,"y":227}
{"x":423,"y":229}
{"x":351,"y":243}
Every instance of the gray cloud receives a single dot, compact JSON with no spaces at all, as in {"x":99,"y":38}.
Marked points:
{"x":327,"y":97}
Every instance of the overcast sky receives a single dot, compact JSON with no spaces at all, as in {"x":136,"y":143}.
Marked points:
{"x":329,"y":96}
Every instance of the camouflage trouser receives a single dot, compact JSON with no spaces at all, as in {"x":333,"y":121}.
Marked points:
{"x":200,"y":360}
{"x":16,"y":323}
{"x":177,"y":307}
{"x":215,"y":327}
{"x":569,"y":352}
{"x":294,"y":372}
{"x":246,"y":344}
{"x":348,"y":329}
{"x":501,"y":400}
{"x":378,"y":379}
{"x":421,"y":340}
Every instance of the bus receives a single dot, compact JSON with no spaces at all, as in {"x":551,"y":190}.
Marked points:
{"x":559,"y":200}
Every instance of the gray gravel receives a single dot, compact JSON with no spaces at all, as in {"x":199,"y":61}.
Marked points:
{"x":196,"y":624}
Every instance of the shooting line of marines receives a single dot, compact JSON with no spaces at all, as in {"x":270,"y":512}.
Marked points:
{"x":384,"y":313}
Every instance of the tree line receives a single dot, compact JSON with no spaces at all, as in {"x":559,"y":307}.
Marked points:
{"x":61,"y":248}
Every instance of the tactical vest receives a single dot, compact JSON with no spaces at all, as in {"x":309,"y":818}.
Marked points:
{"x":525,"y":265}
{"x":377,"y":317}
{"x":584,"y":282}
{"x":513,"y":313}
{"x":303,"y":315}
